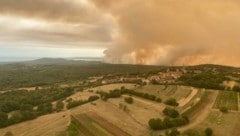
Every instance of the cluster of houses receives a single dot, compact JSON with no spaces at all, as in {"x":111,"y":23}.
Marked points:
{"x":160,"y":78}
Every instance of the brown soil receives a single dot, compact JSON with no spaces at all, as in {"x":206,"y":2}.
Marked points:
{"x":107,"y":125}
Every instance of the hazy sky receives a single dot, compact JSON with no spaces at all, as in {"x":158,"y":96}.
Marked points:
{"x":169,"y":32}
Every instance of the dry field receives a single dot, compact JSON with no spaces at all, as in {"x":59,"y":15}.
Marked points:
{"x":222,"y":124}
{"x":133,"y":120}
{"x":106,"y":88}
{"x":182,"y":94}
{"x":48,"y":125}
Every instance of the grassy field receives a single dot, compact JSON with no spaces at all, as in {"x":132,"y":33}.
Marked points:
{"x":107,"y":88}
{"x":222,"y":124}
{"x":89,"y":127}
{"x":48,"y":125}
{"x":227,"y":99}
{"x":165,"y":92}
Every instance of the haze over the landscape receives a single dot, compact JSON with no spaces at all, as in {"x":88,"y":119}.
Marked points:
{"x":173,"y":32}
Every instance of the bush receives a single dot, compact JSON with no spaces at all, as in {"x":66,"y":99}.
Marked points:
{"x":73,"y":104}
{"x":224,"y":109}
{"x":170,"y":112}
{"x":171,"y":102}
{"x":158,"y":124}
{"x":159,"y":100}
{"x":93,"y":98}
{"x":9,"y":133}
{"x":155,"y":124}
{"x":173,"y":132}
{"x":3,"y":119}
{"x":208,"y":132}
{"x":129,"y":100}
{"x":59,"y":106}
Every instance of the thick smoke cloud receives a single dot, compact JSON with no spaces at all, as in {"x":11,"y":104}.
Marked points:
{"x":174,"y":32}
{"x":54,"y":22}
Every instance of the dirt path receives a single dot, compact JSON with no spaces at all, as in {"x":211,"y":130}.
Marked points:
{"x":184,"y":101}
{"x":202,"y":112}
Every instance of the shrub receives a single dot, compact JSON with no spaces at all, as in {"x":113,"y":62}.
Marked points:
{"x":171,"y":102}
{"x":173,"y":132}
{"x":158,"y":124}
{"x":129,"y":100}
{"x":159,"y":100}
{"x":93,"y":98}
{"x":9,"y":133}
{"x":170,"y":112}
{"x":224,"y":109}
{"x":155,"y":124}
{"x":208,"y":132}
{"x":59,"y":106}
{"x":3,"y":119}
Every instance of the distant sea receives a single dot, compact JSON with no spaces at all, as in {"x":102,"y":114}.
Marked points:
{"x":16,"y":59}
{"x":19,"y":59}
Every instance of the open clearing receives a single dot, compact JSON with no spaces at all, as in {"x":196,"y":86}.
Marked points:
{"x":166,"y":91}
{"x":89,"y":127}
{"x":184,"y":101}
{"x":227,"y":99}
{"x":95,"y":125}
{"x":48,"y":125}
{"x":136,"y":116}
{"x":222,"y":124}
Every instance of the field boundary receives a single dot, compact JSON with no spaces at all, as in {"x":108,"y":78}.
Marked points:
{"x":103,"y":123}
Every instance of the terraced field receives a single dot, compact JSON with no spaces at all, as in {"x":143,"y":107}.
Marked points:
{"x":227,"y":99}
{"x":164,"y":92}
{"x":90,"y":124}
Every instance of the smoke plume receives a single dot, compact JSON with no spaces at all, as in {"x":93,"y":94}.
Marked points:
{"x":174,"y":32}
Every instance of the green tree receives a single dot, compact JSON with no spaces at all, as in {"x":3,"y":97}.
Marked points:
{"x":129,"y":100}
{"x":3,"y":119}
{"x":155,"y":124}
{"x":170,"y":112}
{"x":224,"y":109}
{"x":171,"y":102}
{"x":59,"y":106}
{"x":208,"y":132}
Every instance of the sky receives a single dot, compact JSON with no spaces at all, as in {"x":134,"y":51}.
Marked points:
{"x":159,"y":32}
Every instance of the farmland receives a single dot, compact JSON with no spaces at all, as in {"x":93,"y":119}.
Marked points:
{"x":227,"y":99}
{"x":164,"y":92}
{"x":97,"y":103}
{"x":218,"y":121}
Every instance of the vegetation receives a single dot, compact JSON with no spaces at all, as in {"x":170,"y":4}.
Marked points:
{"x":74,"y":103}
{"x":208,"y":80}
{"x":39,"y":74}
{"x":171,"y":102}
{"x":173,"y":132}
{"x":129,"y":100}
{"x":9,"y":133}
{"x":166,"y":123}
{"x":236,"y":88}
{"x":227,"y":99}
{"x":72,"y":129}
{"x":170,"y":112}
{"x":59,"y":106}
{"x":208,"y":132}
{"x":224,"y":109}
{"x":117,"y":93}
{"x":15,"y":100}
{"x":3,"y":119}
